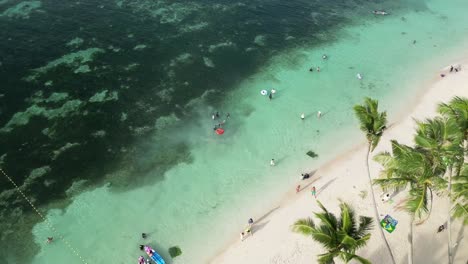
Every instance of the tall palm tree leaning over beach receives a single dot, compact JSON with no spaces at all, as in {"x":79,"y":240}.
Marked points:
{"x":411,"y":167}
{"x":373,"y":123}
{"x":341,"y":237}
{"x":457,"y":111}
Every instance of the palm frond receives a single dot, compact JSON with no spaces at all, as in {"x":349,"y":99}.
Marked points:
{"x":417,"y":203}
{"x":361,"y":259}
{"x":305,"y":226}
{"x":327,"y":258}
{"x":371,"y":121}
{"x":365,"y":226}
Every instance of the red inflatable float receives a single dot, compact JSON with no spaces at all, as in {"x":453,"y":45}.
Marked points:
{"x":219,"y":131}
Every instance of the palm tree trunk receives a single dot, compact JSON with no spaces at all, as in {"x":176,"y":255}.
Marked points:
{"x":410,"y":241}
{"x":375,"y":206}
{"x":449,"y":216}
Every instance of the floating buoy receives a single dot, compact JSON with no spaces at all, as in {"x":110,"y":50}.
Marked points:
{"x":219,"y":131}
{"x":263,"y":92}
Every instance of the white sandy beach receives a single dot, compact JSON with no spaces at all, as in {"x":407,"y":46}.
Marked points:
{"x":344,"y":178}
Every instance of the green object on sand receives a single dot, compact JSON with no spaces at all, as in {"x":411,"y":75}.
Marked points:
{"x":388,"y":223}
{"x":175,"y":251}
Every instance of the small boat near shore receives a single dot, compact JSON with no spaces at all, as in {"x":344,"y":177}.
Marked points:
{"x":154,"y":255}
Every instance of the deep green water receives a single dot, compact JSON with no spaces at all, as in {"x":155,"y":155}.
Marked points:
{"x":106,"y":107}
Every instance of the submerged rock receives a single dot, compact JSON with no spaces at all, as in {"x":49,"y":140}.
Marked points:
{"x":104,"y":96}
{"x":22,"y":9}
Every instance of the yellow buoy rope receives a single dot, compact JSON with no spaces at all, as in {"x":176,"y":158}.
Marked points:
{"x":49,"y":224}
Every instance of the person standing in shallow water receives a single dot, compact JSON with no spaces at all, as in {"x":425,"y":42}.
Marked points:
{"x":270,"y":96}
{"x":302,"y":116}
{"x":272,"y":162}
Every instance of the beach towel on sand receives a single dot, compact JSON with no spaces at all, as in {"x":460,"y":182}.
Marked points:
{"x":389,"y":223}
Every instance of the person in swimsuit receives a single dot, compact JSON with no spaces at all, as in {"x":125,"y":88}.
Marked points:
{"x":314,"y":192}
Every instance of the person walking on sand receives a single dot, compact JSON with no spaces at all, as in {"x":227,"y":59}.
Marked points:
{"x":250,"y":222}
{"x":248,"y":231}
{"x":319,"y":114}
{"x":302,"y":116}
{"x":242,"y":236}
{"x":298,"y":188}
{"x":314,"y":192}
{"x":272,"y":162}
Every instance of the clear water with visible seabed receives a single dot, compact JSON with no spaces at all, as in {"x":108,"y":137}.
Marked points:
{"x":176,"y":179}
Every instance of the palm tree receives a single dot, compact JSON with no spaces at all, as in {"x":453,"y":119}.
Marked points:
{"x":410,"y":167}
{"x":341,"y":237}
{"x":457,"y":110}
{"x":442,"y":139}
{"x":460,"y":195}
{"x":372,"y":123}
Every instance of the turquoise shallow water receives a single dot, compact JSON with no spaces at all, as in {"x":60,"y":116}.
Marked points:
{"x":202,"y":205}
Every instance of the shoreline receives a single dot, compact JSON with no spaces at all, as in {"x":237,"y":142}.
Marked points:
{"x":421,"y":105}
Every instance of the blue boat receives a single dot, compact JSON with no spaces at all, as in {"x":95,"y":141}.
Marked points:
{"x":154,"y":255}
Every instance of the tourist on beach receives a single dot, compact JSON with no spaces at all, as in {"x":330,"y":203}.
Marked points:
{"x":250,"y":222}
{"x":49,"y":240}
{"x":314,"y":192}
{"x":451,"y":68}
{"x":270,"y":96}
{"x":242,"y":236}
{"x":248,"y":231}
{"x":272,"y":162}
{"x":305,"y":176}
{"x":228,"y":115}
{"x":302,"y":116}
{"x":441,"y":228}
{"x":213,"y":116}
{"x":217,"y":114}
{"x":143,"y":235}
{"x":298,"y":188}
{"x":319,"y":114}
{"x":142,"y":247}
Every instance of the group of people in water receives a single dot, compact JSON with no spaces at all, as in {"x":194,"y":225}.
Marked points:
{"x":216,"y":116}
{"x":324,"y":57}
{"x":141,"y":259}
